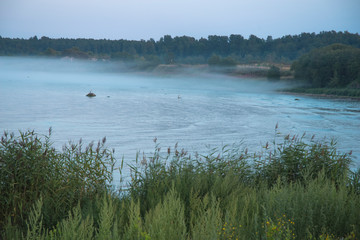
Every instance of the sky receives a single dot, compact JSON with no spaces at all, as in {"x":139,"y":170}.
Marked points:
{"x":145,"y":19}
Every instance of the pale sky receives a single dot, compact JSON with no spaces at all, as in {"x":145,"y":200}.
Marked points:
{"x":145,"y":19}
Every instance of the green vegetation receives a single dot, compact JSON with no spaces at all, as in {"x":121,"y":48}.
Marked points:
{"x":216,"y":60}
{"x":333,"y":70}
{"x":296,"y":189}
{"x":30,"y":169}
{"x":74,"y":52}
{"x":334,"y":66}
{"x":273,"y":73}
{"x":184,"y":49}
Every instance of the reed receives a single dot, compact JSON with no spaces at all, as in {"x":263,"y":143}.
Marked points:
{"x":297,"y":188}
{"x":30,"y":169}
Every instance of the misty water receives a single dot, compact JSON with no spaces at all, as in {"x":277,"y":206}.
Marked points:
{"x":198,"y":110}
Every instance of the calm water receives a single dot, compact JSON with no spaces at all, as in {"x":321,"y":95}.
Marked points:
{"x":196,"y":110}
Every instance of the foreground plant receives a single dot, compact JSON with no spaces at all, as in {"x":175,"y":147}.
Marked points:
{"x":297,"y":189}
{"x":30,"y":169}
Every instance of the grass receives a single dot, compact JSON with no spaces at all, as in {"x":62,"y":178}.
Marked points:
{"x":296,"y":189}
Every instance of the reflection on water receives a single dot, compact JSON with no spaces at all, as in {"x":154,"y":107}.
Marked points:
{"x":194,"y":110}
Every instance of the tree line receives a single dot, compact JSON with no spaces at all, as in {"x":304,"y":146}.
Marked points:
{"x":333,"y":66}
{"x":183,"y":49}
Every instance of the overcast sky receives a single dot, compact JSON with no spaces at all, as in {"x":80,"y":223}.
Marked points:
{"x":145,"y":19}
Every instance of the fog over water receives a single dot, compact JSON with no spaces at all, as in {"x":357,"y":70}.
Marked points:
{"x":197,"y":110}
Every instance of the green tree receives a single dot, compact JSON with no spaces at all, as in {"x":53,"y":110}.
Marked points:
{"x":51,"y":52}
{"x":336,"y":65}
{"x":214,"y":60}
{"x":75,"y":52}
{"x":273,"y":73}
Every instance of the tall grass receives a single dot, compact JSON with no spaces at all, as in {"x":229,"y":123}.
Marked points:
{"x":296,"y":189}
{"x":30,"y":168}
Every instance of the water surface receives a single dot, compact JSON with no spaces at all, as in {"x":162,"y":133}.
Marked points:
{"x":196,"y":110}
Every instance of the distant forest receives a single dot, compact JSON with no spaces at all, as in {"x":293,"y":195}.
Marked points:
{"x":333,"y":66}
{"x":187,"y":50}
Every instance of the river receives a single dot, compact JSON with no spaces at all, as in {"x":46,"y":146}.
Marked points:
{"x":197,"y":110}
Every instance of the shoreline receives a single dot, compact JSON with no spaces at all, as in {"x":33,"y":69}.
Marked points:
{"x":321,"y":95}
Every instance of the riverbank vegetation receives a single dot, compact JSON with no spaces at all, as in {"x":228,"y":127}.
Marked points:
{"x":297,"y":188}
{"x":327,"y":63}
{"x":335,"y":65}
{"x":181,"y":50}
{"x":333,"y":69}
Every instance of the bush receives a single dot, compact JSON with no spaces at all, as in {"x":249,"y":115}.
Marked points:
{"x":216,"y":60}
{"x":273,"y":73}
{"x":336,"y":65}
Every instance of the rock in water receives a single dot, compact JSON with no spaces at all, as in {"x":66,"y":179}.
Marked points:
{"x":91,"y":94}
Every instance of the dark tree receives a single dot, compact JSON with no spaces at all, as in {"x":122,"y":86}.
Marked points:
{"x":184,"y":49}
{"x":337,"y":65}
{"x":273,"y":73}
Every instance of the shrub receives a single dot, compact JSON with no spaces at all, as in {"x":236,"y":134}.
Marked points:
{"x":336,"y":65}
{"x":273,"y":73}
